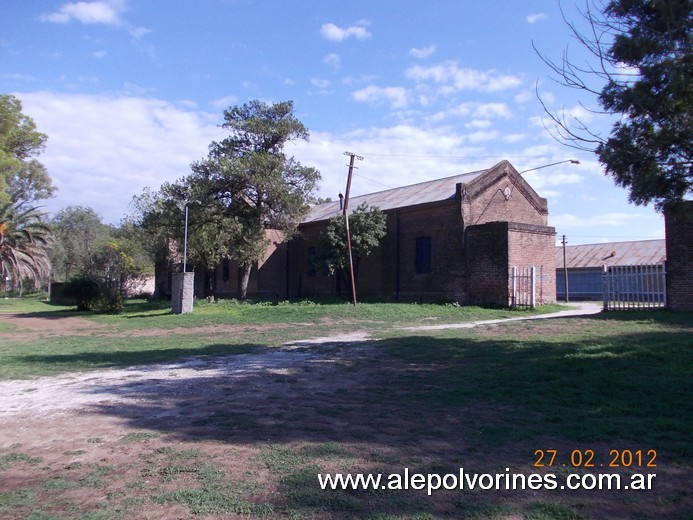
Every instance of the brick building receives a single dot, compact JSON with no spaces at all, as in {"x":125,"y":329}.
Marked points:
{"x":451,"y":239}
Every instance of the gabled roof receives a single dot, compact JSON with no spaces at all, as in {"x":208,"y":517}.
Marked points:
{"x":642,"y":252}
{"x":412,"y":195}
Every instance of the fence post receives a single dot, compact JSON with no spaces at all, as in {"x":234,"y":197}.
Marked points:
{"x":513,"y":283}
{"x":533,"y":275}
{"x":605,"y":288}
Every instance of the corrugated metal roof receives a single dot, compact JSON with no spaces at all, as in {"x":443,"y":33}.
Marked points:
{"x":421,"y":193}
{"x":642,"y":252}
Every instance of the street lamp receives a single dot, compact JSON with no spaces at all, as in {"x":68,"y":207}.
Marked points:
{"x":571,"y":161}
{"x":564,"y":241}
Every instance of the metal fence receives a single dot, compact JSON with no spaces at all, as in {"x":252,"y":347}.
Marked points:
{"x":634,"y":287}
{"x":523,"y":287}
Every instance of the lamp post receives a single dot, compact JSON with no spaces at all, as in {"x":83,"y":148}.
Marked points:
{"x":564,"y":241}
{"x":571,"y":161}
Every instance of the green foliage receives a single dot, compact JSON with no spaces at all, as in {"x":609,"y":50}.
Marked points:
{"x":246,"y":185}
{"x":113,"y":257}
{"x":644,"y":59}
{"x":23,"y":240}
{"x":650,"y":150}
{"x":366,"y":228}
{"x":20,"y":141}
{"x":79,"y":234}
{"x":83,"y":290}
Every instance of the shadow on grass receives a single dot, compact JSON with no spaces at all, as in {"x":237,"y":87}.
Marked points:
{"x":124,"y":358}
{"x":430,"y":404}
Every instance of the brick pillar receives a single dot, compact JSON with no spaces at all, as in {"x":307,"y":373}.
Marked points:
{"x":678,"y":227}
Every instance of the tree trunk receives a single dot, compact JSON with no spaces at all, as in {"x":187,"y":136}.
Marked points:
{"x":245,"y":278}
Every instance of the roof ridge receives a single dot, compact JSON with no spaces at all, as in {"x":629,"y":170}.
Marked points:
{"x":412,"y":185}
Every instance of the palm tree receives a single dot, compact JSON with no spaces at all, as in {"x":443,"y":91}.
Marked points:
{"x":24,"y":238}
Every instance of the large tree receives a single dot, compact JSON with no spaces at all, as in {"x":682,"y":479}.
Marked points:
{"x":79,"y":234}
{"x":21,"y":174}
{"x":257,"y":184}
{"x":87,"y":250}
{"x":641,"y":76}
{"x":246,"y":185}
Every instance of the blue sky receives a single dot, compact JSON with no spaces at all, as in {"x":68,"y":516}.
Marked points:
{"x":130,"y":92}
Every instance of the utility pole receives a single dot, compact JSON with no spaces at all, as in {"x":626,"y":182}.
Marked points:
{"x":565,"y":269}
{"x":352,"y":156}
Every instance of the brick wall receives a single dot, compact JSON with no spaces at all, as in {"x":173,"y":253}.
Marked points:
{"x":678,"y":225}
{"x":494,"y":248}
{"x":504,"y":197}
{"x":530,"y":245}
{"x":390,"y":272}
{"x":486,"y":246}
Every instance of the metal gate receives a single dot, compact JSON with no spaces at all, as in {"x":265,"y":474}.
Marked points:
{"x":634,"y":287}
{"x":523,"y":287}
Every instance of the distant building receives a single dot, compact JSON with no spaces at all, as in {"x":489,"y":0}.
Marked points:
{"x":586,"y":264}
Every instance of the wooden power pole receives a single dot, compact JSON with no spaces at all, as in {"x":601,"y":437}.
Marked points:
{"x":352,"y":156}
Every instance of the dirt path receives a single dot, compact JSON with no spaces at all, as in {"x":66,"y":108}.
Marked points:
{"x":47,"y":396}
{"x":228,"y":409}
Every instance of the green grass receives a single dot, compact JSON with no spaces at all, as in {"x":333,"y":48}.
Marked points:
{"x":434,"y":401}
{"x":617,"y":376}
{"x":257,"y":325}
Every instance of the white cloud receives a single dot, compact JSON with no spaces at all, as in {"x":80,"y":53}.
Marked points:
{"x":604,"y":219}
{"x":103,"y":150}
{"x":393,"y":156}
{"x":100,"y":12}
{"x":99,"y":55}
{"x":524,"y":96}
{"x":538,"y":17}
{"x":224,"y":102}
{"x":476,"y":110}
{"x":514,"y":138}
{"x":479,"y":123}
{"x":332,"y":59}
{"x":483,"y":135}
{"x":320,"y":83}
{"x":491,"y":110}
{"x":453,"y":78}
{"x":333,"y":32}
{"x":373,"y":94}
{"x":105,"y":12}
{"x":424,"y":52}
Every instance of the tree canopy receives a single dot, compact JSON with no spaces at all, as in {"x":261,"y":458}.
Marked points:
{"x":24,"y":235}
{"x":245,"y":185}
{"x":367,"y":229}
{"x":90,"y":253}
{"x":22,"y":176}
{"x":644,"y":66}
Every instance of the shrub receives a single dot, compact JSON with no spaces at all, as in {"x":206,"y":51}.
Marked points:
{"x":83,"y":290}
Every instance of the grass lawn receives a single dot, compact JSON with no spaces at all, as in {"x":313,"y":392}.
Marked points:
{"x":148,"y":333}
{"x":251,"y":439}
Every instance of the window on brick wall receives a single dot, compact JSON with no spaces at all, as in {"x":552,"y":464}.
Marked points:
{"x":423,"y":255}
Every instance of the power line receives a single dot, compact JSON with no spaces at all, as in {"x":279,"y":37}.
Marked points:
{"x":373,"y":180}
